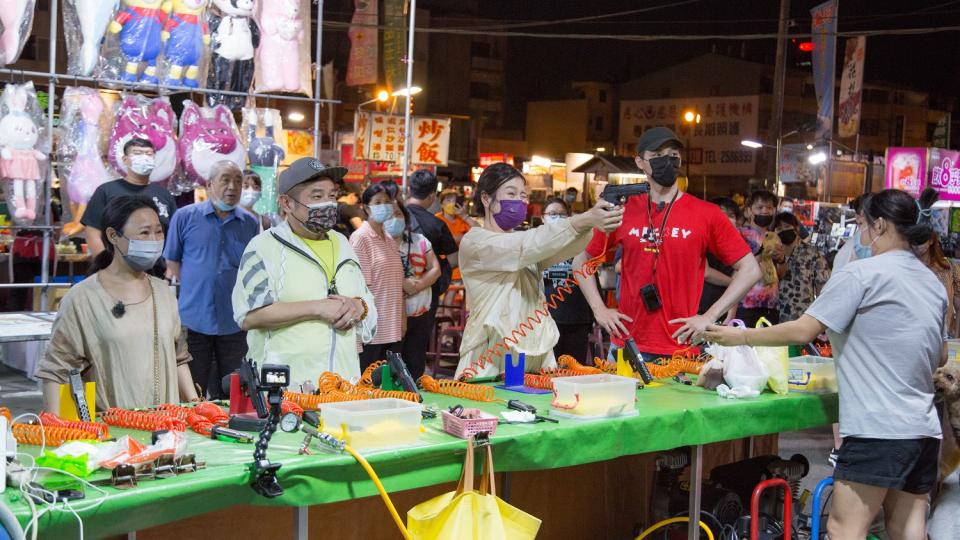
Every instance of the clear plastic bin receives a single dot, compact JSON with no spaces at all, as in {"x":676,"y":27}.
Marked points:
{"x":812,"y":375}
{"x":373,"y":423}
{"x":594,"y":396}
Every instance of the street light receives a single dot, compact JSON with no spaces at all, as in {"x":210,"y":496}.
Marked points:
{"x":692,"y":117}
{"x":752,"y":144}
{"x":818,"y":158}
{"x":403,"y":92}
{"x":382,"y":97}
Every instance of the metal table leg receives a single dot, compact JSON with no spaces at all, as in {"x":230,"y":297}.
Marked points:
{"x":300,"y":514}
{"x":696,"y":487}
{"x":504,"y":491}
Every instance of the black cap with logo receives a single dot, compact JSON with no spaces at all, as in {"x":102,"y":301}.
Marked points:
{"x":306,"y":169}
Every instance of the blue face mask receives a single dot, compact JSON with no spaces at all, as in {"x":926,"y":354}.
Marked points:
{"x":862,"y":251}
{"x":380,"y":213}
{"x":222,"y":206}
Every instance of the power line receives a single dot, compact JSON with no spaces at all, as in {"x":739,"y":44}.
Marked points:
{"x":335,"y":25}
{"x":586,"y":18}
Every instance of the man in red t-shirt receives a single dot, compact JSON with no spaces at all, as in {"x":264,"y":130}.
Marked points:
{"x":665,"y":237}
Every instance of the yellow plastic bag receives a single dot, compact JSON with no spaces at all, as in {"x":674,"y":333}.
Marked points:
{"x":466,"y":514}
{"x":777,"y":362}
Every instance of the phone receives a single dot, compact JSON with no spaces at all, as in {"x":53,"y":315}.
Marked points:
{"x":651,"y":297}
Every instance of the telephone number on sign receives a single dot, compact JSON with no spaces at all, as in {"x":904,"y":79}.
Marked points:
{"x":736,"y":156}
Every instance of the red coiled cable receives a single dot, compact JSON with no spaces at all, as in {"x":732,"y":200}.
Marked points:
{"x":212,"y":412}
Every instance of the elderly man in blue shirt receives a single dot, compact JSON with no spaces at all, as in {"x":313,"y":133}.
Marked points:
{"x":204,"y":245}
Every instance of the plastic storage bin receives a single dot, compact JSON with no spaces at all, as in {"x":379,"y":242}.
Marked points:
{"x":594,"y":396}
{"x":468,"y":427}
{"x":812,"y":375}
{"x":373,"y":423}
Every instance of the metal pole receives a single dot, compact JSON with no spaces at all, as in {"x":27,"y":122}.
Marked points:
{"x":48,"y":185}
{"x":406,"y":113}
{"x":696,"y":488}
{"x":779,"y":81}
{"x":318,"y":70}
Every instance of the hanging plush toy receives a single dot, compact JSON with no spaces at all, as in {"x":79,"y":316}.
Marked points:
{"x":80,"y":150}
{"x":185,"y":34}
{"x":279,"y":52}
{"x":235,"y":38}
{"x":153,"y":121}
{"x":16,"y":16}
{"x":19,"y":159}
{"x":205,"y":140}
{"x":265,"y":156}
{"x":140,"y":25}
{"x":91,"y":18}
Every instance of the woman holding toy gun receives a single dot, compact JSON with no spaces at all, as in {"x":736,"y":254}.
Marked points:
{"x":502,"y":271}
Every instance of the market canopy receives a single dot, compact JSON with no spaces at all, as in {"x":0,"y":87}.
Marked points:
{"x":606,"y":164}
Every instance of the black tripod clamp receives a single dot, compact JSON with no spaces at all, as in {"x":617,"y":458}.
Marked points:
{"x":265,"y":473}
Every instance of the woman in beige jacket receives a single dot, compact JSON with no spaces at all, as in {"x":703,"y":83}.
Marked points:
{"x":502,"y":269}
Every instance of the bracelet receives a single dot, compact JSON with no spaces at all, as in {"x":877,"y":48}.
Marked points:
{"x":365,"y":310}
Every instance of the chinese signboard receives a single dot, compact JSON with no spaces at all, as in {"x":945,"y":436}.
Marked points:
{"x":824,"y":30}
{"x":487,"y":160}
{"x":379,"y":137}
{"x":851,"y":87}
{"x":945,"y":173}
{"x":394,"y":44}
{"x":906,"y":169}
{"x":714,"y":143}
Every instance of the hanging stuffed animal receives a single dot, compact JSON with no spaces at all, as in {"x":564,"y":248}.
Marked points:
{"x":16,"y":17}
{"x":206,"y":140}
{"x":80,"y":149}
{"x":140,"y":25}
{"x":153,"y":122}
{"x":92,"y":18}
{"x":235,"y":38}
{"x":186,"y":35}
{"x":279,"y":54}
{"x":19,"y":159}
{"x":265,"y":156}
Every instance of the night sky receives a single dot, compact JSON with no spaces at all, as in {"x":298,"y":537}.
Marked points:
{"x":539,"y":68}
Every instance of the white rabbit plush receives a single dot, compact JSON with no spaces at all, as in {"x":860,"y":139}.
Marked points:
{"x":19,"y":160}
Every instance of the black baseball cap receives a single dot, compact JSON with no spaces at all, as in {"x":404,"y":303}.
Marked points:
{"x":654,"y":139}
{"x":306,"y":169}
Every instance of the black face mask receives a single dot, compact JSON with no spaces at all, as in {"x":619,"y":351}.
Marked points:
{"x":763,"y":221}
{"x":788,"y":236}
{"x":665,"y":169}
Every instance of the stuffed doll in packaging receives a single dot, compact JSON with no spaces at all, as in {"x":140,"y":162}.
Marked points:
{"x":186,"y":36}
{"x":79,"y":150}
{"x":84,"y":24}
{"x":235,"y":38}
{"x":19,"y":158}
{"x":265,"y":156}
{"x":140,"y":25}
{"x":279,"y":54}
{"x":145,"y":119}
{"x":206,"y":139}
{"x":16,"y":21}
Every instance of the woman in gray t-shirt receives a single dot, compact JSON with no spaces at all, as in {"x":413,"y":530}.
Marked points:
{"x":885,"y":318}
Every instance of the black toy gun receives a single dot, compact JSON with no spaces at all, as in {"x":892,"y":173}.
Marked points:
{"x":618,"y":194}
{"x":632,"y":355}
{"x":399,"y":370}
{"x":250,"y":383}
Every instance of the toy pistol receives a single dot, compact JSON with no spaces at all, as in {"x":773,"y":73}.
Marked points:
{"x":250,"y":382}
{"x":618,"y":194}
{"x":399,"y":369}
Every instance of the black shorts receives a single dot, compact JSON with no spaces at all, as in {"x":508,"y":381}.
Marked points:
{"x":909,"y":465}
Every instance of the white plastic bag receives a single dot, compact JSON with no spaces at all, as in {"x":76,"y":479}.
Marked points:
{"x":84,"y":25}
{"x":742,"y":369}
{"x":16,"y":23}
{"x":777,"y":362}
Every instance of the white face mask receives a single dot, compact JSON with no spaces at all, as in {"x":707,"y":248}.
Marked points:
{"x":394,"y":226}
{"x":380,"y":213}
{"x":551,"y":219}
{"x":249,"y":197}
{"x":142,"y":255}
{"x":142,"y":164}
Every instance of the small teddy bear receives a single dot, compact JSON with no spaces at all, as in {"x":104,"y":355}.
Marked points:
{"x":946,"y":383}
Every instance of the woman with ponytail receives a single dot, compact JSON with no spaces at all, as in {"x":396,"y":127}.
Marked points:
{"x":120,"y":327}
{"x":885,"y":317}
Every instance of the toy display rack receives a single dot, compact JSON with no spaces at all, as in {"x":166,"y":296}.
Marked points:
{"x":53,"y":78}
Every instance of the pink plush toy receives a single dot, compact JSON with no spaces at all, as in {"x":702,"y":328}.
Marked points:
{"x":205,"y":140}
{"x":87,"y":171}
{"x":16,"y":16}
{"x":155,"y":123}
{"x":19,"y":160}
{"x":278,"y":57}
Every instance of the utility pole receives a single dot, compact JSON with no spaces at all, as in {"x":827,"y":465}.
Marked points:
{"x":779,"y":81}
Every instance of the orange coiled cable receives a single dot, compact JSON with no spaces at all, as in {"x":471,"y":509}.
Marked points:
{"x":376,"y":393}
{"x":287,"y":406}
{"x":198,"y":423}
{"x":367,"y":378}
{"x":458,"y":389}
{"x":570,"y":363}
{"x":100,"y":431}
{"x":212,"y":412}
{"x":142,"y":420}
{"x":312,"y":402}
{"x":6,"y":412}
{"x":48,"y":435}
{"x":501,"y":347}
{"x":544,"y":379}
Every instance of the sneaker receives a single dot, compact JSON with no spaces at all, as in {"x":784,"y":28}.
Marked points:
{"x":832,"y":458}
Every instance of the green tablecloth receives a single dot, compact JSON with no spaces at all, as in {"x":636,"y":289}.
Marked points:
{"x":670,"y":416}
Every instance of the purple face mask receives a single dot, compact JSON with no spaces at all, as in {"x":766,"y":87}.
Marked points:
{"x":511,"y":215}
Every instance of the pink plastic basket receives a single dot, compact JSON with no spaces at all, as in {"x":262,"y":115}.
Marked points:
{"x":467,"y":427}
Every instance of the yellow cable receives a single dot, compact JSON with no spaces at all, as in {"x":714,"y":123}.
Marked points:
{"x":386,"y":498}
{"x":671,"y":521}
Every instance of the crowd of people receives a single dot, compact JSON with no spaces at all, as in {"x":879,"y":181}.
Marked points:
{"x":345,"y":275}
